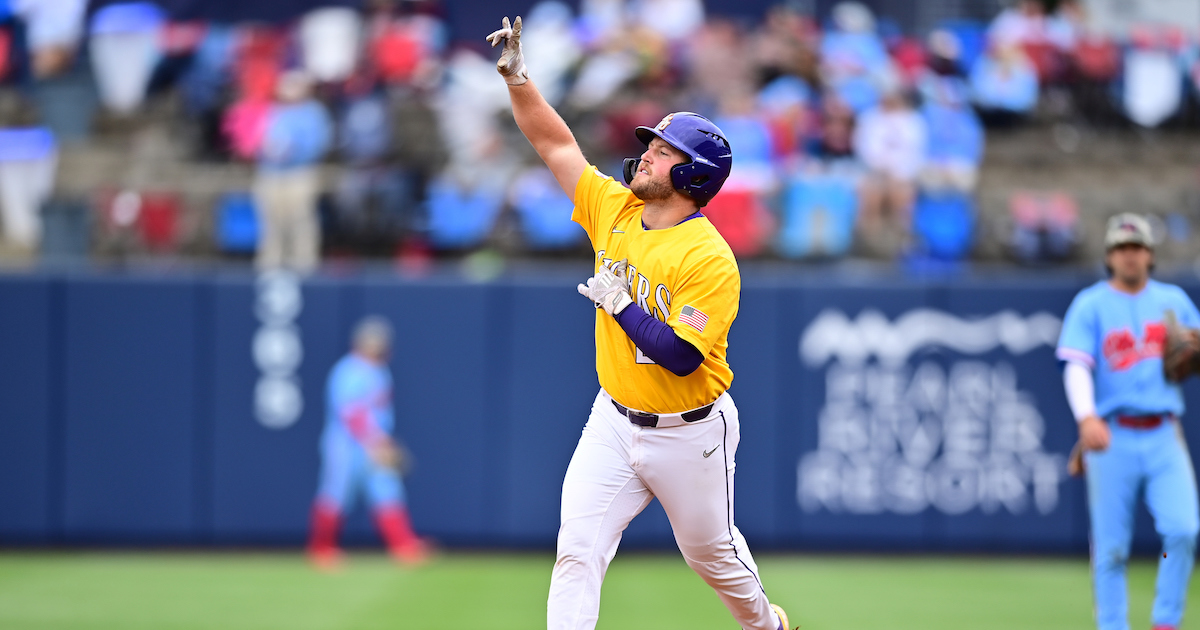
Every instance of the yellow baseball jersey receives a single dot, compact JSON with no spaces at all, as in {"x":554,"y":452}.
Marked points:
{"x":685,"y":275}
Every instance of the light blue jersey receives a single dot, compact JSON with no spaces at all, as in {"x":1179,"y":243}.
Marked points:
{"x":359,"y":401}
{"x":359,"y":396}
{"x":1120,"y":336}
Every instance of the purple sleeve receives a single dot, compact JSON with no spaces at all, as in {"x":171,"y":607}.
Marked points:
{"x":657,"y":341}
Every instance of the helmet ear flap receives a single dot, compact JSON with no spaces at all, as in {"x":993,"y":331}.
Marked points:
{"x":630,"y":169}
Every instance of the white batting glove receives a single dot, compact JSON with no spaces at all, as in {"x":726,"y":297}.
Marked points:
{"x":609,"y":288}
{"x":511,"y":65}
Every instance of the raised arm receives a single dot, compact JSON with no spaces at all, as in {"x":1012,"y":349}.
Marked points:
{"x":542,"y":126}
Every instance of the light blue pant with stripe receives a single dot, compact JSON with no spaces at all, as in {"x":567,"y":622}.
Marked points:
{"x":1155,"y":461}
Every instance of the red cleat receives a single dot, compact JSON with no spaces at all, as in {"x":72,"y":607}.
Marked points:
{"x":328,"y":559}
{"x":412,"y":554}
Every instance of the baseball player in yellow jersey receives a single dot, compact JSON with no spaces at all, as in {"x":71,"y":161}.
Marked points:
{"x":666,"y":290}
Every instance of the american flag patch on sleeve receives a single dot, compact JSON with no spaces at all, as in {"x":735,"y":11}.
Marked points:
{"x":693,"y":317}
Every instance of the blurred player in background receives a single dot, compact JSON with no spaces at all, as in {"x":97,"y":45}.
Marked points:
{"x":663,"y":424}
{"x":1128,"y":413}
{"x":358,"y":452}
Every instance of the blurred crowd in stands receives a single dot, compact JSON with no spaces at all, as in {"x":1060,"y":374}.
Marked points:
{"x":374,"y":133}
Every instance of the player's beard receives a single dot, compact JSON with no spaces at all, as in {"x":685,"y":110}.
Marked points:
{"x":652,"y":189}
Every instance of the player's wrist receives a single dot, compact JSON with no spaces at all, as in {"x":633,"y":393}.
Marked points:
{"x":516,"y":79}
{"x":617,"y":303}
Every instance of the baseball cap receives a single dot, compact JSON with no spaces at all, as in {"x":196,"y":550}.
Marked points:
{"x":1126,"y":228}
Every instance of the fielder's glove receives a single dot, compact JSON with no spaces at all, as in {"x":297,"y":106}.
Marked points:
{"x":391,"y":454}
{"x":511,"y":65}
{"x":609,"y":288}
{"x":1181,"y":350}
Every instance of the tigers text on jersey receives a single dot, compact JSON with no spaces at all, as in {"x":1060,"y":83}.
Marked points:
{"x":1120,"y":336}
{"x":685,"y":275}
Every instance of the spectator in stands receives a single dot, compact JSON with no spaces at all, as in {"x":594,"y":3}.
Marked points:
{"x":600,"y":20}
{"x":1004,"y":86}
{"x":785,"y":107}
{"x":404,"y":41}
{"x":719,"y":64}
{"x":551,"y":47}
{"x":854,"y":61}
{"x":1066,"y":25}
{"x":1026,"y":23}
{"x":374,"y":199}
{"x":945,"y":53}
{"x":833,"y":140}
{"x":1043,"y":39}
{"x":53,"y":31}
{"x":786,"y":45}
{"x":330,"y":41}
{"x":288,"y":180}
{"x":1020,"y":24}
{"x":891,"y":141}
{"x":955,"y":146}
{"x":674,"y":20}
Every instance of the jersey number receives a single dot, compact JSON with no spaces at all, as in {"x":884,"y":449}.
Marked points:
{"x":642,"y":359}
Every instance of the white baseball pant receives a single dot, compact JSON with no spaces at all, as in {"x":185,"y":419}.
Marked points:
{"x":617,"y":468}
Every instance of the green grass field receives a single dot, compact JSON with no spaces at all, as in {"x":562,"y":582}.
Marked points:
{"x":461,"y":591}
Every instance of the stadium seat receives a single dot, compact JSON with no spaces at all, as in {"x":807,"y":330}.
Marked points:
{"x":1047,"y":59}
{"x":944,"y":225}
{"x":545,"y":211}
{"x":160,"y":220}
{"x":1097,"y":58}
{"x":818,"y":217}
{"x":460,"y":218}
{"x":236,"y":223}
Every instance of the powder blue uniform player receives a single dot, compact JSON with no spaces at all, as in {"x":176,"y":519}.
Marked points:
{"x":1128,"y":414}
{"x":358,"y":451}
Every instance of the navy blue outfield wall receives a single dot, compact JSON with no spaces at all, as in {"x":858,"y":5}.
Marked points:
{"x":186,"y":410}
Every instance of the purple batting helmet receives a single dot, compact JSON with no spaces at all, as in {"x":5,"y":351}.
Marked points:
{"x":703,"y":142}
